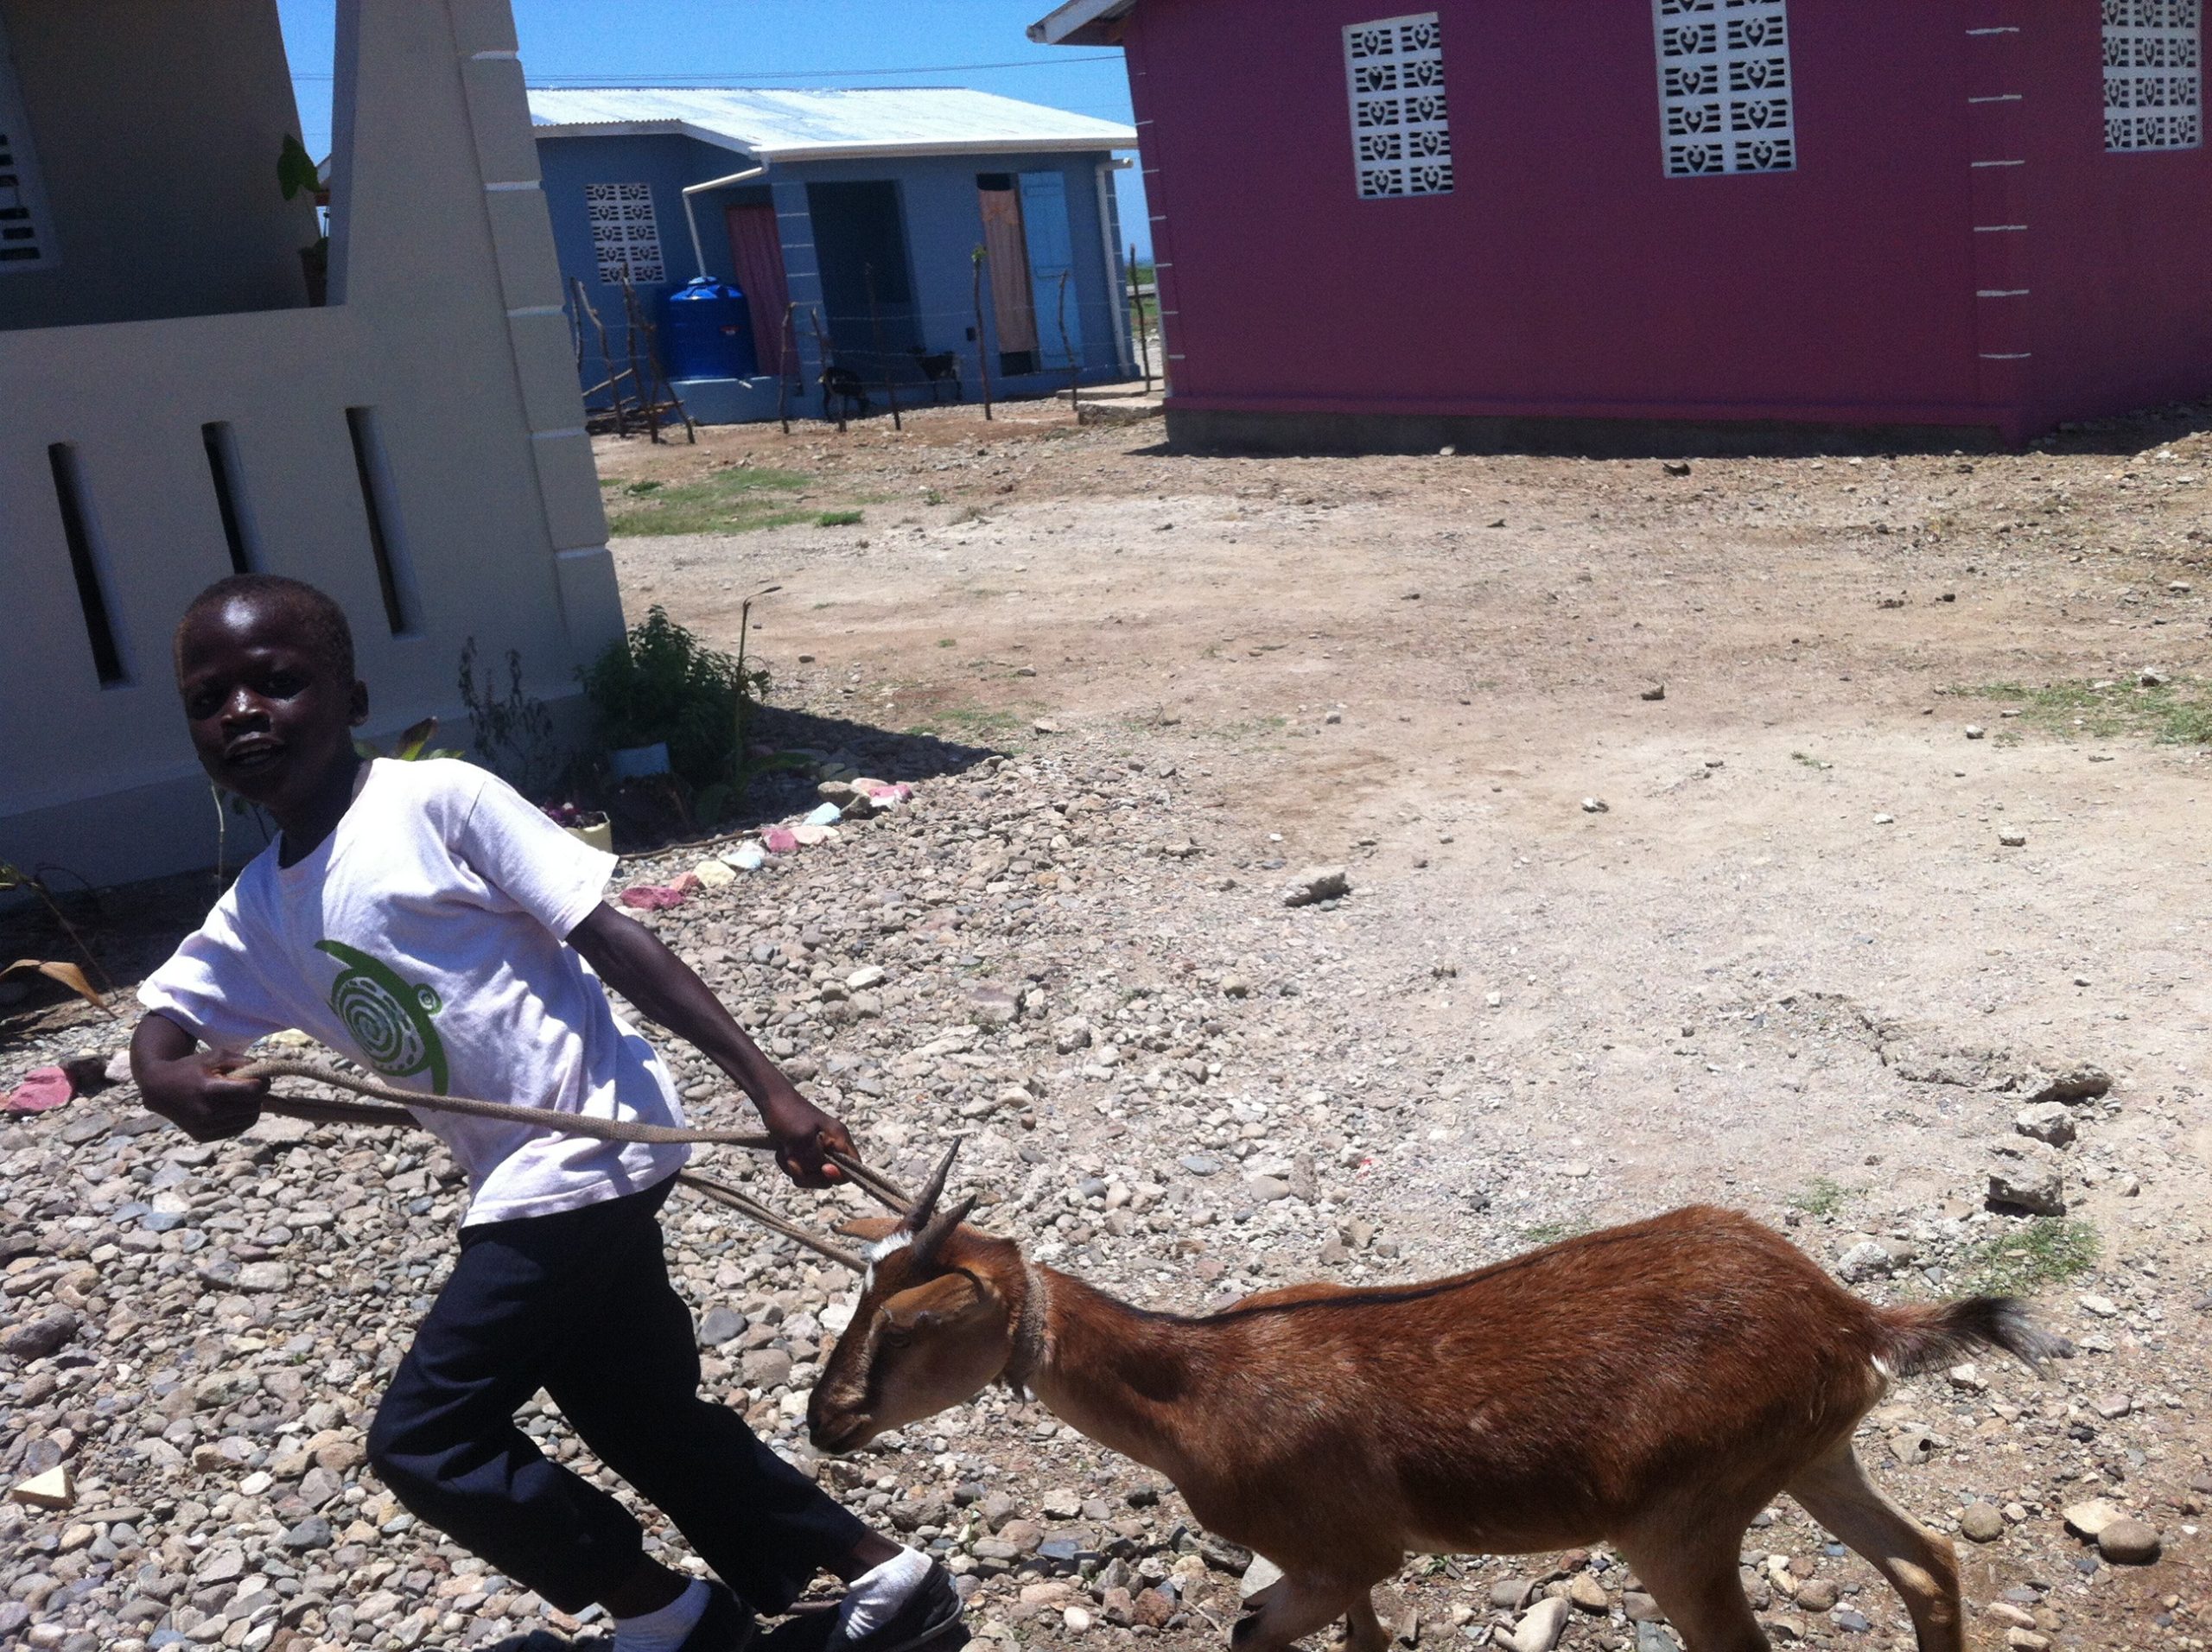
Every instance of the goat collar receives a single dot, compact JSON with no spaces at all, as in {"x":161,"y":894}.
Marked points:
{"x":1028,"y":1332}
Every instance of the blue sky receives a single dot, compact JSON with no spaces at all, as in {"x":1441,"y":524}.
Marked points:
{"x":774,"y":42}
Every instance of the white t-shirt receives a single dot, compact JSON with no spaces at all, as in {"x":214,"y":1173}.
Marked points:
{"x":424,"y":939}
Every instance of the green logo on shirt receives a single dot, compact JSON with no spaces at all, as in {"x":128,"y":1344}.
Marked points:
{"x":390,"y":1019}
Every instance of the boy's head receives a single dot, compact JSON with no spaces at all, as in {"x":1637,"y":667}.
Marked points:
{"x":265,"y":666}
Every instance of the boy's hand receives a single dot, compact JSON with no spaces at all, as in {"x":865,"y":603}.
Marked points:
{"x":805,"y":1136}
{"x":197,"y":1094}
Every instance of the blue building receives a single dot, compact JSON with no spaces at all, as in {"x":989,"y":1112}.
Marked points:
{"x":849,"y":219}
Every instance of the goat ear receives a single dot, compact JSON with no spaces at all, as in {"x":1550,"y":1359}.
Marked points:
{"x":945,"y":1300}
{"x":870,"y":1228}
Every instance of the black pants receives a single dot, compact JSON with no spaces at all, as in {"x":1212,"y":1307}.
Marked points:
{"x":579,"y":1304}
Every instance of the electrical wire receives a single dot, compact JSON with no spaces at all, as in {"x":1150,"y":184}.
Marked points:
{"x":748,"y":77}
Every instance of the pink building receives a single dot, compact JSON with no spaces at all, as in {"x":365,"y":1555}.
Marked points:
{"x":1502,"y":223}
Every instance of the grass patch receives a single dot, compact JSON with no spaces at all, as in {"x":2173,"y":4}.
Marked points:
{"x":837,"y":520}
{"x":973,"y":722}
{"x":736,"y":500}
{"x":1821,"y":1197}
{"x":2050,"y":1250}
{"x":1552,"y":1233}
{"x":2177,"y":713}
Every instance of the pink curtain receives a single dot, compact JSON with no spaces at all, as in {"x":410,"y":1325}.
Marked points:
{"x":758,"y":253}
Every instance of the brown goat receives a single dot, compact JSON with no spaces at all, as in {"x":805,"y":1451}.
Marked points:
{"x":1652,"y":1386}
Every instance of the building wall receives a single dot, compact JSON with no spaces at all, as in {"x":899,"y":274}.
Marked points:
{"x":156,"y":129}
{"x":2115,"y":257}
{"x":944,"y":224}
{"x":1565,"y":274}
{"x":445,"y":320}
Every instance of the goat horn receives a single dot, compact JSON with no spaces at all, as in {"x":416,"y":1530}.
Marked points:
{"x":925,"y":1202}
{"x":940,"y":1228}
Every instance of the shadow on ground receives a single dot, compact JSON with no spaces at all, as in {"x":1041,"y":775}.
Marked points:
{"x":1349,"y":436}
{"x":130,"y":929}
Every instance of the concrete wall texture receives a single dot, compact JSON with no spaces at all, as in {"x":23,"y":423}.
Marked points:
{"x":1955,"y":246}
{"x":943,"y":222}
{"x":444,"y":322}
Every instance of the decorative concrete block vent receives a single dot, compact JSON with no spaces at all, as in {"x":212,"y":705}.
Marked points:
{"x":2153,"y":74}
{"x":1724,"y":86}
{"x":625,"y":233}
{"x":1401,"y":127}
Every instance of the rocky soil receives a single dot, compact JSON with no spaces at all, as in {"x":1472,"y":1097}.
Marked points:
{"x":1075,"y":949}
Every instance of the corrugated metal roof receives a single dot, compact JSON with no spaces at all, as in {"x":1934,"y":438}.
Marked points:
{"x":1083,"y":22}
{"x":824,"y":123}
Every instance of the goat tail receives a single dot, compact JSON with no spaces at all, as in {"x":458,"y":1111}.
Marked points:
{"x":1917,"y":1339}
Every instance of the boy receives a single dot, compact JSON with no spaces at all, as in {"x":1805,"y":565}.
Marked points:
{"x":424,"y":920}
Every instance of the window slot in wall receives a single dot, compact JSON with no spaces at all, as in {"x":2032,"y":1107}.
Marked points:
{"x":394,"y":578}
{"x":1725,"y":96}
{"x":223,"y":468}
{"x":2153,"y":76}
{"x":1401,"y":128}
{"x":26,"y":230}
{"x":91,"y":596}
{"x":624,"y":234}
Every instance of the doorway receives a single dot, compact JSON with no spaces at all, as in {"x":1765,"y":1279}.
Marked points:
{"x":860,"y":240}
{"x":756,"y":251}
{"x":1006,"y":245}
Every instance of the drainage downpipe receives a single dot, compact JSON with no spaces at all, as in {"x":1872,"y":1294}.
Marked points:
{"x":691,"y":218}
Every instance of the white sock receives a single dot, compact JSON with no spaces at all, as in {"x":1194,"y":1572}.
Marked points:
{"x":875,"y":1597}
{"x":665,"y":1629}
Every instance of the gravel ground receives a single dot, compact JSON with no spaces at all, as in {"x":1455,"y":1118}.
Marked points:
{"x":1522,"y":1020}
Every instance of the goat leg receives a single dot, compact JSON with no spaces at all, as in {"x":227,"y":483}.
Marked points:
{"x":1920,"y":1565}
{"x":1292,"y":1608}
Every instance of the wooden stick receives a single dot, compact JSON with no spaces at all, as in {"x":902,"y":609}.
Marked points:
{"x":1136,"y":299}
{"x":882,"y":361}
{"x":605,"y":354}
{"x":983,"y":340}
{"x":787,"y":346}
{"x":822,"y":349}
{"x":1075,"y":366}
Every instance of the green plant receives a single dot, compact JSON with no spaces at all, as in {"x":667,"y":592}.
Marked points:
{"x":413,"y":746}
{"x":13,"y":877}
{"x":716,"y":800}
{"x":661,"y":684}
{"x":513,"y":730}
{"x":296,"y":172}
{"x":2048,"y":1250}
{"x":295,"y":168}
{"x":836,"y":519}
{"x":1819,"y":1198}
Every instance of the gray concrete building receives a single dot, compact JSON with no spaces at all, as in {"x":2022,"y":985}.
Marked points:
{"x":188,"y":397}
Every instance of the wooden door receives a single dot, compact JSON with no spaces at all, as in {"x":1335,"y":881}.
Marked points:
{"x":1007,"y":242}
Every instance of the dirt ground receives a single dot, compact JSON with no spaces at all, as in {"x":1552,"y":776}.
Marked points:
{"x":1775,"y":832}
{"x":1758,"y":934}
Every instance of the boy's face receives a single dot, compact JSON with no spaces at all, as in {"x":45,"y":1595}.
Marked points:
{"x":272,"y":719}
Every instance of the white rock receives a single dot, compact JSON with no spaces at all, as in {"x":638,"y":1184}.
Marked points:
{"x":1864,"y":1260}
{"x":1257,"y":1576}
{"x":2089,"y":1518}
{"x":1540,"y":1629}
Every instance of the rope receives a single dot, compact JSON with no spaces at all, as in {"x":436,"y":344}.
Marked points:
{"x":874,"y":1183}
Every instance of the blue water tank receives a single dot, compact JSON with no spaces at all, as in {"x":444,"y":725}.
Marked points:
{"x":707,"y":332}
